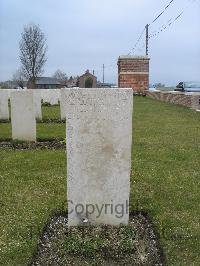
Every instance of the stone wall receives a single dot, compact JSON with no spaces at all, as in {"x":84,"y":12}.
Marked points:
{"x":186,"y":99}
{"x":133,"y":72}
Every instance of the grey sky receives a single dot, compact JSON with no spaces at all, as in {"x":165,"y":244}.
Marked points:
{"x":84,"y":34}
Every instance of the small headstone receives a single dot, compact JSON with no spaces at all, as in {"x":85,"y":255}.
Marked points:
{"x":37,"y":102}
{"x":4,"y":109}
{"x":62,"y":104}
{"x":50,"y":96}
{"x":53,"y":96}
{"x":23,"y":115}
{"x":99,"y":137}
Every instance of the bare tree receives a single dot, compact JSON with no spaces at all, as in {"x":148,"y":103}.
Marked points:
{"x":18,"y":78}
{"x":60,"y":75}
{"x":32,"y":52}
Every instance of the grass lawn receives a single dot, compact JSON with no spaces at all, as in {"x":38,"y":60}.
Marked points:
{"x":164,"y":181}
{"x":51,"y":112}
{"x":166,"y":174}
{"x":44,"y":130}
{"x":33,"y":183}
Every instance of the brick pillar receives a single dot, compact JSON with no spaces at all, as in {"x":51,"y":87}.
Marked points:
{"x":133,"y":72}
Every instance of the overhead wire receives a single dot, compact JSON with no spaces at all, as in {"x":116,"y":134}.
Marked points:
{"x":138,"y":40}
{"x":166,"y":7}
{"x":153,"y":34}
{"x":157,"y":17}
{"x":170,"y":22}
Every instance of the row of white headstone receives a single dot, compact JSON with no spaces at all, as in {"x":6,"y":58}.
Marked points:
{"x":25,"y":109}
{"x":99,"y":138}
{"x":52,"y":97}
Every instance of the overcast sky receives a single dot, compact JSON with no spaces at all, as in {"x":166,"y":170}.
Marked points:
{"x":84,"y":34}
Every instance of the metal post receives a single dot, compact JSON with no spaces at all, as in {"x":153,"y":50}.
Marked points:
{"x":103,"y":72}
{"x":147,"y":39}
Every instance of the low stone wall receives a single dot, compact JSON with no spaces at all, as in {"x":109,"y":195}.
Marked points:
{"x":186,"y":99}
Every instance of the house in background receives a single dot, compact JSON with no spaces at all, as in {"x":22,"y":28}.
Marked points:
{"x":87,"y":80}
{"x":46,"y":83}
{"x":72,"y":82}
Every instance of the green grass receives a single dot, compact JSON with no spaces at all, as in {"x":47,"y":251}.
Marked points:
{"x":50,"y":131}
{"x":5,"y":131}
{"x":50,"y":112}
{"x":44,"y":131}
{"x":165,"y":175}
{"x":164,"y":181}
{"x":98,"y":236}
{"x":32,"y":184}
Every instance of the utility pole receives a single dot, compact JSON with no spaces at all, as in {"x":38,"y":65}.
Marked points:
{"x":103,"y":72}
{"x":147,"y":39}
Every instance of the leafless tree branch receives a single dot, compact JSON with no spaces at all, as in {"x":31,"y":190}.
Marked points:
{"x":33,"y":50}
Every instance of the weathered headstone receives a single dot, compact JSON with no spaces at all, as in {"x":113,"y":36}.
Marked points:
{"x":53,"y":96}
{"x":62,"y":104}
{"x":9,"y":92}
{"x":23,"y":115}
{"x":37,"y":102}
{"x":59,"y":94}
{"x":99,"y":137}
{"x":4,"y":109}
{"x":50,"y":96}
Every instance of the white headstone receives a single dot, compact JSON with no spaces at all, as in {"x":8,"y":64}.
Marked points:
{"x":99,"y":138}
{"x":54,"y":96}
{"x":23,"y":115}
{"x":50,"y":96}
{"x":37,"y":102}
{"x":45,"y":95}
{"x":59,"y":94}
{"x":63,"y":104}
{"x":4,"y":109}
{"x":9,"y":92}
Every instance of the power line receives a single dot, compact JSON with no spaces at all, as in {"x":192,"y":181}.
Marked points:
{"x":164,"y":26}
{"x":167,"y":6}
{"x":170,"y":22}
{"x":140,"y":37}
{"x":152,"y":34}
